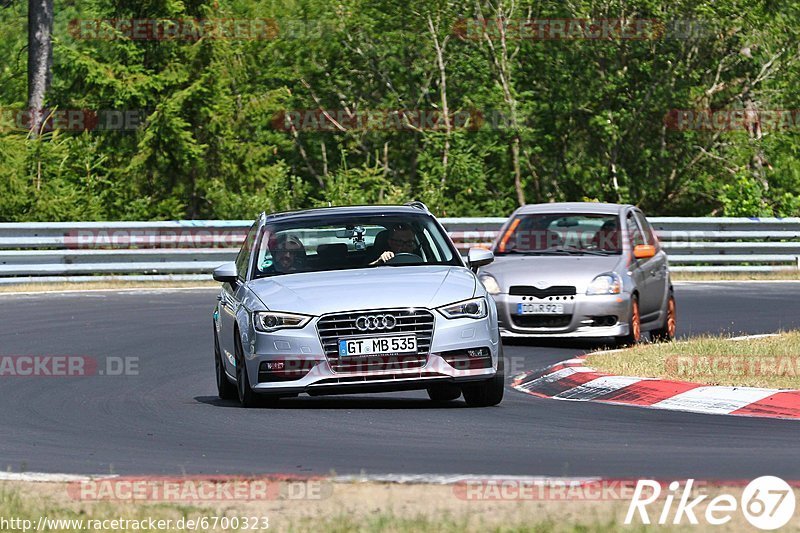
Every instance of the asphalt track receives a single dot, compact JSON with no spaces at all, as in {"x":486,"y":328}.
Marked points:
{"x":167,"y":419}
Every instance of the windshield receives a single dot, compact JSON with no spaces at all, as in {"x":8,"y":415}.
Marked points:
{"x":561,"y":233}
{"x":352,"y":242}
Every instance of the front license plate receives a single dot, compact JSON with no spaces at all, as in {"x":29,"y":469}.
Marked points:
{"x":540,"y":309}
{"x":379,"y":345}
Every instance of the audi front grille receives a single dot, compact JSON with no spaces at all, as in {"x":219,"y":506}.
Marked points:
{"x":336,"y":326}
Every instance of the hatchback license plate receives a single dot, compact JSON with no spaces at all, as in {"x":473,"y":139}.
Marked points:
{"x":540,"y":309}
{"x":378,"y":345}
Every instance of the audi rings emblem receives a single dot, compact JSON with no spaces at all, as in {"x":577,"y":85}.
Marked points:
{"x":375,"y":322}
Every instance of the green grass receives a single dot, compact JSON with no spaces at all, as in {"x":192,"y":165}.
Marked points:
{"x":31,"y":504}
{"x":771,"y":362}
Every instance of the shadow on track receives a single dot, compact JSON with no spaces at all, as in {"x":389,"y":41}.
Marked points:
{"x":342,"y":402}
{"x":563,"y":342}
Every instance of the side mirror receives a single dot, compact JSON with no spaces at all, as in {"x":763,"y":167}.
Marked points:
{"x":644,"y":251}
{"x":226,"y":273}
{"x":479,"y":257}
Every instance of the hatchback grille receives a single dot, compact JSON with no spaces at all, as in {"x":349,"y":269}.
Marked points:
{"x":337,"y":326}
{"x":555,"y":290}
{"x":541,"y":321}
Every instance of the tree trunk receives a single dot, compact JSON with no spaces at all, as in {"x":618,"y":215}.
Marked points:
{"x":40,"y":59}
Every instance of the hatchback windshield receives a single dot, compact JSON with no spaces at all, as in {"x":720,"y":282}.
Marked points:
{"x":561,"y":233}
{"x":351,"y":242}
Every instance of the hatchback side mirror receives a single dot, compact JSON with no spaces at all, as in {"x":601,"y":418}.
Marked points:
{"x":644,"y":251}
{"x":226,"y":273}
{"x":479,"y":257}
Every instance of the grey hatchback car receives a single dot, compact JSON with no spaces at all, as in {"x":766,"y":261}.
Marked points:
{"x":581,"y":270}
{"x":355,"y":299}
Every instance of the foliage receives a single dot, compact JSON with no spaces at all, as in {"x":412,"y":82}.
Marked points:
{"x":550,"y":119}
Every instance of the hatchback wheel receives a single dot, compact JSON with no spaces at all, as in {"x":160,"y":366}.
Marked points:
{"x":667,"y":332}
{"x":635,"y":333}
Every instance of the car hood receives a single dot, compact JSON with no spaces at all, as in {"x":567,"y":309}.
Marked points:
{"x":318,"y":293}
{"x":547,"y":271}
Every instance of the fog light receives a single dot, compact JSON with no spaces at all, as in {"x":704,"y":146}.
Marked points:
{"x":479,"y":352}
{"x":285,"y":369}
{"x":469,"y":359}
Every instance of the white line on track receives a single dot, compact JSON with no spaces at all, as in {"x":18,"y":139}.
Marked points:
{"x":140,"y":290}
{"x":428,"y":479}
{"x":44,"y":477}
{"x":748,"y":337}
{"x":436,"y":479}
{"x":716,"y":400}
{"x":598,"y":387}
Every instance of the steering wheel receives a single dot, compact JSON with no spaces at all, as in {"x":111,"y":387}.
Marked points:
{"x":404,"y":258}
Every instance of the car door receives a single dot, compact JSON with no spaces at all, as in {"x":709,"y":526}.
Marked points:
{"x":230,"y":299}
{"x":643,"y":270}
{"x":659,"y":278}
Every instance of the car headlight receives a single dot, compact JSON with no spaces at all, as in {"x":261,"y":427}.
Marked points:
{"x":490,"y":283}
{"x":473,"y":308}
{"x":268,"y":321}
{"x":608,"y":283}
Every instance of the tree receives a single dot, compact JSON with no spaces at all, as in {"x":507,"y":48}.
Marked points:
{"x":40,"y":59}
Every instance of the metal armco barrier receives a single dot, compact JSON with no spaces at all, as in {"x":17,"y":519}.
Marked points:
{"x":88,"y":251}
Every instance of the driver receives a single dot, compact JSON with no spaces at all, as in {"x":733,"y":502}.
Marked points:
{"x":401,"y":241}
{"x":288,"y":252}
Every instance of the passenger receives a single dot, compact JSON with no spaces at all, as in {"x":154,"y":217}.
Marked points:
{"x":607,"y":237}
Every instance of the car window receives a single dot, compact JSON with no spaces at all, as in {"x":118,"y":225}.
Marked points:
{"x":553,"y":232}
{"x":350,"y":242}
{"x":243,"y":256}
{"x":634,"y":233}
{"x":647,"y":229}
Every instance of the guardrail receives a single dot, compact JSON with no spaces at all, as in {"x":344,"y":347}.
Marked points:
{"x":88,"y":251}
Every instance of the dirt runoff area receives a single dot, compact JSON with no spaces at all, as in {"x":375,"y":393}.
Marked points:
{"x":226,"y":503}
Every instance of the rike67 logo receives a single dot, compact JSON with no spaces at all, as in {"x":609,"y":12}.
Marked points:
{"x":767,"y":503}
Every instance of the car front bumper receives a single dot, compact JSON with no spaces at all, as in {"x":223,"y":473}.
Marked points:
{"x":304,"y":349}
{"x":584,"y":316}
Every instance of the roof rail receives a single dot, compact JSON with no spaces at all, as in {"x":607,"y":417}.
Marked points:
{"x":417,"y":204}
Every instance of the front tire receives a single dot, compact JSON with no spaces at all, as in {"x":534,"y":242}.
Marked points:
{"x":486,"y":393}
{"x":444,"y":392}
{"x":247,"y":397}
{"x":225,"y":389}
{"x":667,"y":332}
{"x":635,"y":334}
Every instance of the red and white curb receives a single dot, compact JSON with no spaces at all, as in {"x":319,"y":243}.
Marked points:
{"x":574,"y":380}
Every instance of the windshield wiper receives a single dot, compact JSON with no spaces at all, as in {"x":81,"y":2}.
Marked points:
{"x":523,"y":252}
{"x":580,"y":251}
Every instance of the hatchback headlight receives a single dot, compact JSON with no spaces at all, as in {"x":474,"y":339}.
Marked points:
{"x":492,"y":287}
{"x":268,"y":321}
{"x":474,"y":308}
{"x":608,"y":283}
